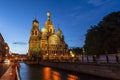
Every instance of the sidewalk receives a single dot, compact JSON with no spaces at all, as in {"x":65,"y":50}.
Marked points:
{"x":7,"y":75}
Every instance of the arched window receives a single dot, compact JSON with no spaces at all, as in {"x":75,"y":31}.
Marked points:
{"x":35,"y":32}
{"x":50,"y":30}
{"x":32,"y":32}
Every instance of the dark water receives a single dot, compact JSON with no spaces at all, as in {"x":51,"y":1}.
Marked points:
{"x":38,"y":72}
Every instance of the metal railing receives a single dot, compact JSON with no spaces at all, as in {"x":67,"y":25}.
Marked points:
{"x":93,"y":59}
{"x":18,"y":74}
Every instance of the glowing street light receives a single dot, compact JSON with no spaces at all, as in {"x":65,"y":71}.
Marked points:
{"x":72,"y":54}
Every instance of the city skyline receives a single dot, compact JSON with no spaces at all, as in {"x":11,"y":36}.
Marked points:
{"x":74,"y":17}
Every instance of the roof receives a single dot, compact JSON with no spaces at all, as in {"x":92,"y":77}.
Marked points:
{"x":35,"y":20}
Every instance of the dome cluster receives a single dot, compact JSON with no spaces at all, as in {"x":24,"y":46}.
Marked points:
{"x":46,"y":39}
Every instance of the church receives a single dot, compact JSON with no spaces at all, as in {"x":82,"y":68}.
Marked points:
{"x":47,"y":42}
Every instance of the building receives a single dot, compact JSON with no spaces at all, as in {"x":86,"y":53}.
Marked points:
{"x":4,"y":48}
{"x":46,"y":42}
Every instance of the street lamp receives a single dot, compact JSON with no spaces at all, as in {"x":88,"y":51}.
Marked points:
{"x":72,"y":54}
{"x":83,"y":52}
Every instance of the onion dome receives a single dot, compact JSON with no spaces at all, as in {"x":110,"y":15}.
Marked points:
{"x":35,"y":21}
{"x":54,"y":39}
{"x":44,"y":30}
{"x":48,"y":13}
{"x":59,"y":32}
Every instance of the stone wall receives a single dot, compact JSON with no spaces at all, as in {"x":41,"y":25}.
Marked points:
{"x":103,"y":70}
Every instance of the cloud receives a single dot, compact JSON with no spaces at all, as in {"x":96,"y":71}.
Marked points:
{"x":97,"y":2}
{"x":19,"y":43}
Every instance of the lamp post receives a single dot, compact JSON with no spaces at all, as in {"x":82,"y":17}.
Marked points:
{"x":72,"y":55}
{"x":83,"y":52}
{"x":107,"y":57}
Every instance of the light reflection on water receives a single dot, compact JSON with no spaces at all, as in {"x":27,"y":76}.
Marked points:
{"x":56,"y":75}
{"x":50,"y":74}
{"x":46,"y":73}
{"x":72,"y":77}
{"x":37,"y":72}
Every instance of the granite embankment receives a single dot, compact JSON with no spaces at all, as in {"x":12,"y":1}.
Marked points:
{"x":111,"y":71}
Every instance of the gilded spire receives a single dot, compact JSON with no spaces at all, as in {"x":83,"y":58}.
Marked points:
{"x":48,"y":14}
{"x":35,"y":19}
{"x":35,"y":16}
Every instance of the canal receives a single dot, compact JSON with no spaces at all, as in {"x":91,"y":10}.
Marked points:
{"x":38,"y":72}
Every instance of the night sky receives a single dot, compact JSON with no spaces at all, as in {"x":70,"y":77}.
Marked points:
{"x":74,"y":16}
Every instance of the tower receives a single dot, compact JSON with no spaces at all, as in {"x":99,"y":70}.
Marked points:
{"x":49,"y":24}
{"x":58,"y":32}
{"x":34,"y":38}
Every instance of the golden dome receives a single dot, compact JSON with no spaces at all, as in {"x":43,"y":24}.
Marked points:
{"x":48,"y":14}
{"x":54,"y":39}
{"x":58,"y":32}
{"x":35,"y":23}
{"x":44,"y":30}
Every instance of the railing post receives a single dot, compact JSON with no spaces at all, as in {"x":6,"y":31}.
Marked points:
{"x":94,"y":58}
{"x":82,"y":58}
{"x":87,"y":59}
{"x":18,"y":74}
{"x":117,"y":58}
{"x":107,"y":58}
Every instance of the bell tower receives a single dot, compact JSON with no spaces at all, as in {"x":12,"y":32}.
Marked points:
{"x":35,"y":36}
{"x":35,"y":28}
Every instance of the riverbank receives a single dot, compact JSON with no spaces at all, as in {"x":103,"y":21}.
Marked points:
{"x":39,"y":72}
{"x":31,"y":62}
{"x":107,"y":71}
{"x":11,"y":73}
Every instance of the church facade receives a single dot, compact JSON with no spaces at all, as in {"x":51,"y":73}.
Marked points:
{"x":46,"y":42}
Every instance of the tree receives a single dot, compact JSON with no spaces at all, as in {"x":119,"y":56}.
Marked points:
{"x":105,"y":36}
{"x":77,"y":50}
